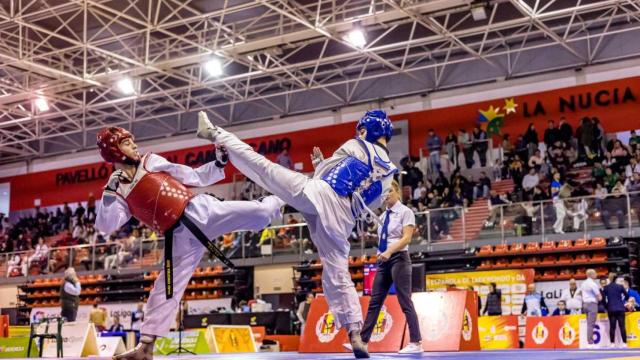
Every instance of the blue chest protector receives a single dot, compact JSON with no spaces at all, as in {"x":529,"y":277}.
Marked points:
{"x":352,"y":175}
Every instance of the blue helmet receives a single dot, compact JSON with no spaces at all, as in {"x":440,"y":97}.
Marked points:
{"x":377,"y":124}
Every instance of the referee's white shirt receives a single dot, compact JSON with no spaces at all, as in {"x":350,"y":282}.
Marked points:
{"x":400,"y":216}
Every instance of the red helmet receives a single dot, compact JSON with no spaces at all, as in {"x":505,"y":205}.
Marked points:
{"x":108,"y":140}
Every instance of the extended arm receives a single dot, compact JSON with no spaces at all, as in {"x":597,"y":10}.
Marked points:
{"x":204,"y":175}
{"x":112,"y":213}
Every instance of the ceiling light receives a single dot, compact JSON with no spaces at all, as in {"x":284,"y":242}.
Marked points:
{"x":478,"y":12}
{"x":125,"y":86}
{"x":213,"y":67}
{"x":41,"y":104}
{"x":356,"y":38}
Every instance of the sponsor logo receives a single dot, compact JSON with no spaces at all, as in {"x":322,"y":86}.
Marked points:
{"x":326,"y":329}
{"x":467,"y":326}
{"x":566,"y":334}
{"x":540,"y":333}
{"x":383,"y":325}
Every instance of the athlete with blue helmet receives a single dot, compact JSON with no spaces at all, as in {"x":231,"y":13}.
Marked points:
{"x":343,"y":189}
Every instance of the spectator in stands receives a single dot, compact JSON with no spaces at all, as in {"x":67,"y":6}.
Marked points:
{"x":480,"y":144}
{"x":420,"y":191}
{"x":70,"y":294}
{"x":451,"y":145}
{"x":578,"y":213}
{"x":284,"y":159}
{"x":482,"y":186}
{"x":599,"y":146}
{"x":558,"y":204}
{"x":40,"y":254}
{"x":586,"y":136}
{"x":536,"y":162}
{"x":466,"y":142}
{"x":566,"y":131}
{"x":533,"y":304}
{"x":591,"y":295}
{"x":634,"y":141}
{"x":561,"y":309}
{"x":116,"y":326}
{"x":572,"y":298}
{"x":632,"y":168}
{"x":493,"y":306}
{"x":98,"y":316}
{"x":531,"y":140}
{"x":80,"y":211}
{"x":602,"y":305}
{"x":137,"y":316}
{"x":632,"y":292}
{"x":434,"y":145}
{"x":615,"y":296}
{"x":495,"y":201}
{"x":303,"y":310}
{"x":530,"y":182}
{"x":551,"y":134}
{"x":616,"y":204}
{"x":413,"y":175}
{"x":516,"y":170}
{"x":14,"y":266}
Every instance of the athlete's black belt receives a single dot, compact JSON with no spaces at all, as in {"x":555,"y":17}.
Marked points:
{"x":168,"y":250}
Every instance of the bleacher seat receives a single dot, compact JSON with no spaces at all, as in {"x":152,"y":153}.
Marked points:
{"x":550,"y":274}
{"x":597,"y":242}
{"x":517,"y":262}
{"x":532,"y":247}
{"x":548,"y":245}
{"x":501,"y":249}
{"x":581,"y":243}
{"x":564,"y":244}
{"x":486,"y":250}
{"x":599,"y":256}
{"x":549,"y":260}
{"x":516,"y":248}
{"x":565,"y":259}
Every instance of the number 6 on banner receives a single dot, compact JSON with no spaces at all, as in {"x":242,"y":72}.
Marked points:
{"x":596,"y":334}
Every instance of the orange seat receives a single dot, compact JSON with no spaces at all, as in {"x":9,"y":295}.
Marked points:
{"x":485,"y":250}
{"x":598,"y":242}
{"x":582,"y":258}
{"x":501,"y":249}
{"x":537,"y":277}
{"x":599,"y":256}
{"x":532,"y":247}
{"x":516,"y":248}
{"x":533,"y":260}
{"x":501,"y":263}
{"x":549,"y":260}
{"x":517,"y":262}
{"x":581,"y":243}
{"x":549,"y":275}
{"x":602,"y":270}
{"x":565,"y":259}
{"x":564,"y":244}
{"x":565,"y":274}
{"x":581,"y":273}
{"x":548,"y":245}
{"x":485,"y":264}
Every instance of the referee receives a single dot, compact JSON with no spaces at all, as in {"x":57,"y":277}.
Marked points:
{"x":394,"y":266}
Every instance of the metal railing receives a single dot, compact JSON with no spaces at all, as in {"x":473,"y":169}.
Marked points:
{"x":586,"y":217}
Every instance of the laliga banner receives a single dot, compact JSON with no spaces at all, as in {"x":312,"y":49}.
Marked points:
{"x":498,"y":332}
{"x":512,"y":284}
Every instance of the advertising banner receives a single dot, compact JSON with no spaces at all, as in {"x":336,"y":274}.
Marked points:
{"x":110,"y":346}
{"x":79,"y":340}
{"x":552,"y":291}
{"x":632,"y":321}
{"x":600,"y":333}
{"x":512,"y":284}
{"x":16,"y":347}
{"x":230,"y":339}
{"x":498,"y":332}
{"x":192,"y":340}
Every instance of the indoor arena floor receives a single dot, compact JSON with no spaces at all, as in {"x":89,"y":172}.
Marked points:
{"x":475,"y":355}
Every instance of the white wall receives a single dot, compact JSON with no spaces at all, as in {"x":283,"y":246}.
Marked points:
{"x":8,"y":295}
{"x":273,"y":279}
{"x":435,"y":100}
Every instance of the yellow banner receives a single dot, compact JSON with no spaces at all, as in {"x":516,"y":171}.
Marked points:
{"x":632,"y":321}
{"x":230,"y":338}
{"x":569,"y":331}
{"x":498,"y":332}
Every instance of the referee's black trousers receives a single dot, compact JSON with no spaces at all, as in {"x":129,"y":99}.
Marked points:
{"x":395,"y":270}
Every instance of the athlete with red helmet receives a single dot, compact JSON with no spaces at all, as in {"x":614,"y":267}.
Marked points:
{"x":157,"y":192}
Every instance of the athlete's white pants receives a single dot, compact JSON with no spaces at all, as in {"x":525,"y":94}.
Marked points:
{"x":561,"y":212}
{"x":214,"y":218}
{"x":328,"y":217}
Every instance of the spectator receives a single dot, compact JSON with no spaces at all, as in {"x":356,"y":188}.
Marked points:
{"x":572,"y":298}
{"x":451,"y":144}
{"x":434,"y":145}
{"x":91,"y":207}
{"x":616,"y":204}
{"x":40,"y":254}
{"x":634,"y":141}
{"x":632,"y":292}
{"x":70,"y":295}
{"x":579,"y":213}
{"x":116,"y":326}
{"x":495,"y":203}
{"x":602,"y":305}
{"x":467,"y":147}
{"x":303,"y":310}
{"x":598,"y":172}
{"x":590,"y":297}
{"x":137,"y":316}
{"x":482,"y":187}
{"x":284,"y":159}
{"x":480,"y":144}
{"x":586,"y":136}
{"x":530,"y":181}
{"x":531,"y":140}
{"x":420,"y":191}
{"x":98,"y":317}
{"x":615,"y":296}
{"x":566,"y":131}
{"x":599,"y":146}
{"x":631,"y":305}
{"x":552,"y":134}
{"x":558,"y":204}
{"x":534,"y":303}
{"x":413,"y":175}
{"x":493,"y":304}
{"x":561,"y":309}
{"x":14,"y":266}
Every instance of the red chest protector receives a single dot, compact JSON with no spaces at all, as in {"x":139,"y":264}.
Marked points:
{"x":155,"y":198}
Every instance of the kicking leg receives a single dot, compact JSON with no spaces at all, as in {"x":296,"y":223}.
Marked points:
{"x":278,"y":180}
